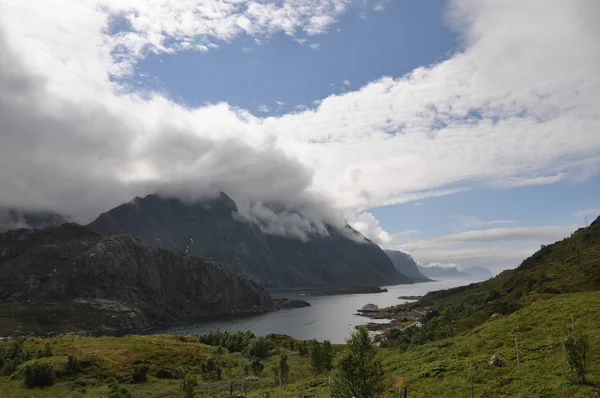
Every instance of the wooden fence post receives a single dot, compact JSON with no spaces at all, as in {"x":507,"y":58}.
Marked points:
{"x":471,"y":379}
{"x":517,"y":348}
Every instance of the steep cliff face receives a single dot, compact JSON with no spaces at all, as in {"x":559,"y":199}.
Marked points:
{"x":212,"y":228}
{"x":405,"y":264}
{"x":118,"y":280}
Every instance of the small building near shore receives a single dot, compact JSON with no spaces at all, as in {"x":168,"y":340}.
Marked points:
{"x":369,"y":308}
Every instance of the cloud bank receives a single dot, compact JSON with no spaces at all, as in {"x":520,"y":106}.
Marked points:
{"x":518,"y":105}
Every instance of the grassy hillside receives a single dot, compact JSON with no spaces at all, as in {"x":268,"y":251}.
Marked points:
{"x":434,"y":369}
{"x":568,"y":266}
{"x":532,"y":306}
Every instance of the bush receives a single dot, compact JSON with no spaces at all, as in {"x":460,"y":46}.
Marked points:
{"x":188,"y":385}
{"x":38,"y":375}
{"x":9,"y":367}
{"x":576,"y":346}
{"x":118,"y":391}
{"x":210,"y":369}
{"x":72,"y":364}
{"x":258,"y":348}
{"x":140,"y":374}
{"x":177,"y":373}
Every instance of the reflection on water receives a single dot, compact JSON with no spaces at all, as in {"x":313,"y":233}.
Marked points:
{"x":328,"y":318}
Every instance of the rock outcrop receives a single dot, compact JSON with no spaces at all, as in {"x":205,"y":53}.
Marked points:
{"x":119,"y":282}
{"x":213,"y":228}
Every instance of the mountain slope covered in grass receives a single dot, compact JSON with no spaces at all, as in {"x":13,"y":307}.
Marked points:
{"x":567,"y":266}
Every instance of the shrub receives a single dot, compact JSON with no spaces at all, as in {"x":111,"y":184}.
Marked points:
{"x":188,"y":385}
{"x":38,"y":375}
{"x":140,"y":374}
{"x":258,"y":348}
{"x":210,"y":369}
{"x":9,"y":367}
{"x":118,"y":391}
{"x":576,"y":346}
{"x":72,"y":364}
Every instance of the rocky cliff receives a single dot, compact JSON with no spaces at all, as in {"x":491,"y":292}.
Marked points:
{"x":72,"y":278}
{"x":212,"y":228}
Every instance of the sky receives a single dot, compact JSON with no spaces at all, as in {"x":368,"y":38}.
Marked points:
{"x":464,"y":132}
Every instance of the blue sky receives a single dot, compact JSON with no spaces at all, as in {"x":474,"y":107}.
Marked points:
{"x":368,"y":45}
{"x":464,"y":132}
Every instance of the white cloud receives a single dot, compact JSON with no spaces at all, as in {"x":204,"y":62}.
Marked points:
{"x":548,"y":234}
{"x":368,"y":225}
{"x":519,"y":103}
{"x":515,"y":182}
{"x":587,"y":212}
{"x":347,"y":82}
{"x":301,"y":41}
{"x":263,"y":108}
{"x":315,"y":46}
{"x":495,"y":248}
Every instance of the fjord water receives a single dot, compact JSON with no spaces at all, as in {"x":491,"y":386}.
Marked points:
{"x":328,"y":318}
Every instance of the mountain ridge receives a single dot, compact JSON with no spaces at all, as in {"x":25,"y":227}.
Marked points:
{"x":406,"y":265}
{"x":213,"y":228}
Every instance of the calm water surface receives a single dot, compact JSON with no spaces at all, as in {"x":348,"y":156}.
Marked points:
{"x":328,"y":318}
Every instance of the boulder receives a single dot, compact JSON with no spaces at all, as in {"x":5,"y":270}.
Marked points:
{"x":495,"y":361}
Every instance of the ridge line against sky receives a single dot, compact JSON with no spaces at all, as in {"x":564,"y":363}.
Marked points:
{"x":505,"y":113}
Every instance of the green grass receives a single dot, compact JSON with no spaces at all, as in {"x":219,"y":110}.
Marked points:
{"x":434,"y":369}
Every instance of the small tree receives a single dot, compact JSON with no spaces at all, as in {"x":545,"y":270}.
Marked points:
{"x":282,"y":370}
{"x":302,"y":349}
{"x":576,"y":346}
{"x":257,"y":366}
{"x":327,"y":355}
{"x":359,"y":372}
{"x":188,"y":385}
{"x":316,"y":357}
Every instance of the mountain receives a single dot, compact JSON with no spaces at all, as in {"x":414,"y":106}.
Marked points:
{"x":406,"y":265}
{"x":11,"y":218}
{"x":571,"y":265}
{"x":478,"y":272}
{"x":436,"y":272}
{"x":69,"y":277}
{"x":213,"y":228}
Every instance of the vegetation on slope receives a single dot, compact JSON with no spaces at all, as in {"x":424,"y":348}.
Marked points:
{"x":439,"y":368}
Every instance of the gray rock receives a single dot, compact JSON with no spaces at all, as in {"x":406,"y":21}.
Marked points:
{"x":495,"y":361}
{"x":119,"y":282}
